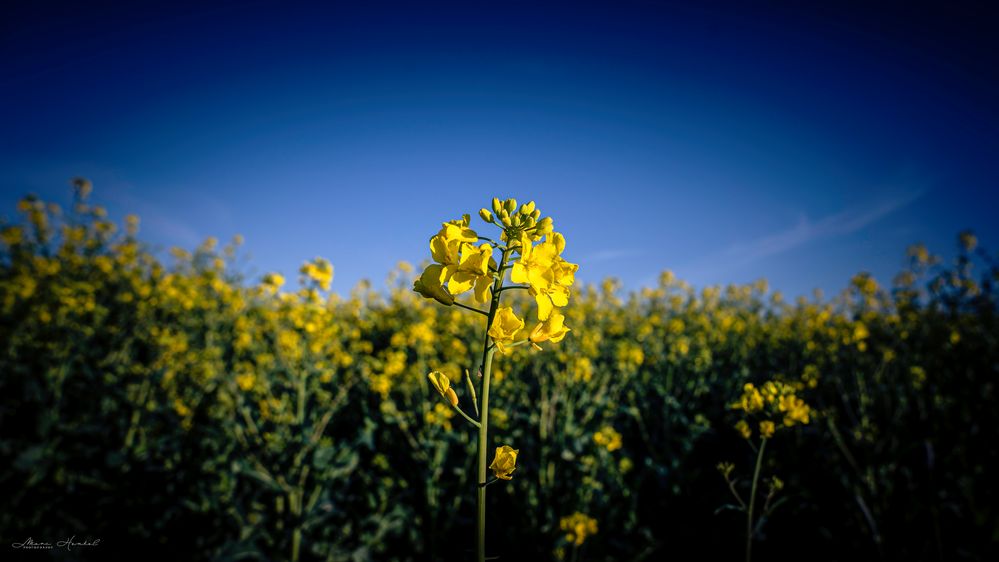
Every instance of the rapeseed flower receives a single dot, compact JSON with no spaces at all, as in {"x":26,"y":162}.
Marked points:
{"x":504,"y":328}
{"x":553,"y":329}
{"x":504,"y":462}
{"x":442,"y":383}
{"x":578,"y":527}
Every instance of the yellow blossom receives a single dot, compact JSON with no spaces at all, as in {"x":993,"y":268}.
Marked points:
{"x":442,"y":383}
{"x":766,"y":429}
{"x":505,"y":462}
{"x":553,"y":329}
{"x":430,"y":285}
{"x":743,"y":428}
{"x":578,"y":527}
{"x":608,"y":438}
{"x":751,"y":399}
{"x":245,"y":381}
{"x":319,"y":271}
{"x":795,"y":410}
{"x":504,"y":328}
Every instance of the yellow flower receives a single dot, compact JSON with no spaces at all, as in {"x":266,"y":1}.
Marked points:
{"x":795,"y":410}
{"x":751,"y":399}
{"x":608,"y":437}
{"x":245,"y":381}
{"x":273,"y":281}
{"x":547,"y":275}
{"x":473,"y":269}
{"x":505,"y":326}
{"x":535,"y":264}
{"x":578,"y":526}
{"x":445,"y":248}
{"x":443,"y":385}
{"x":320,"y":271}
{"x":505,"y":462}
{"x":743,"y":428}
{"x":553,"y":329}
{"x":767,"y":429}
{"x":430,"y":285}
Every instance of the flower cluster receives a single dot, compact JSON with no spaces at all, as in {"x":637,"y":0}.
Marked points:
{"x":608,"y":438}
{"x":577,"y":527}
{"x":459,"y":265}
{"x":318,"y":271}
{"x":773,"y":401}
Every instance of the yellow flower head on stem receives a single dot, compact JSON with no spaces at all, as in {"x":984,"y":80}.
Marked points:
{"x":505,"y":462}
{"x":505,"y":326}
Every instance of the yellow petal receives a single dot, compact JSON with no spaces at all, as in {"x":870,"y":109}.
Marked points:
{"x":544,"y":306}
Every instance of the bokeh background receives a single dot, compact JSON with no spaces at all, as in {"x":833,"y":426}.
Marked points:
{"x":710,"y":166}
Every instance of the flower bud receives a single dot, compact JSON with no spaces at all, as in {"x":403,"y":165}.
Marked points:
{"x":536,"y":214}
{"x":497,"y":206}
{"x":511,"y":205}
{"x":485,"y":214}
{"x":515,"y":219}
{"x":545,"y":226}
{"x":527,"y":208}
{"x":440,"y":382}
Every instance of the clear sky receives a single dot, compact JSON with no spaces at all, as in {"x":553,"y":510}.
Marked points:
{"x":722,"y":142}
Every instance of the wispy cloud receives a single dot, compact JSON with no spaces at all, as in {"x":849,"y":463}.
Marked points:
{"x":613,"y":254}
{"x":801,"y":233}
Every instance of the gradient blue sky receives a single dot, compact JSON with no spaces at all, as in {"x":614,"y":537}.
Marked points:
{"x":719,"y":141}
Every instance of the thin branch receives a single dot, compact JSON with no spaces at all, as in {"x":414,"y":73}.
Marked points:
{"x":466,"y":416}
{"x":511,"y":287}
{"x":473,"y":309}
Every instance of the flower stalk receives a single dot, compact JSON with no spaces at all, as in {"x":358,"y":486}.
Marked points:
{"x":461,"y":266}
{"x":487,"y":368}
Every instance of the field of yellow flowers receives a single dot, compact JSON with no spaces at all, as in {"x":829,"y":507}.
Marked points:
{"x":175,"y":409}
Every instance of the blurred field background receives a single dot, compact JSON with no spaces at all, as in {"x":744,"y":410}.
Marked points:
{"x":175,"y":402}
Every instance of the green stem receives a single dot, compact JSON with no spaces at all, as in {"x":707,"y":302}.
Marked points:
{"x":473,"y":309}
{"x":483,"y":446}
{"x":752,"y":501}
{"x":466,"y":416}
{"x":512,"y":287}
{"x":487,"y":367}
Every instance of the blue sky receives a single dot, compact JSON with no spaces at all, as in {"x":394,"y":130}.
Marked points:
{"x":721,"y":142}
